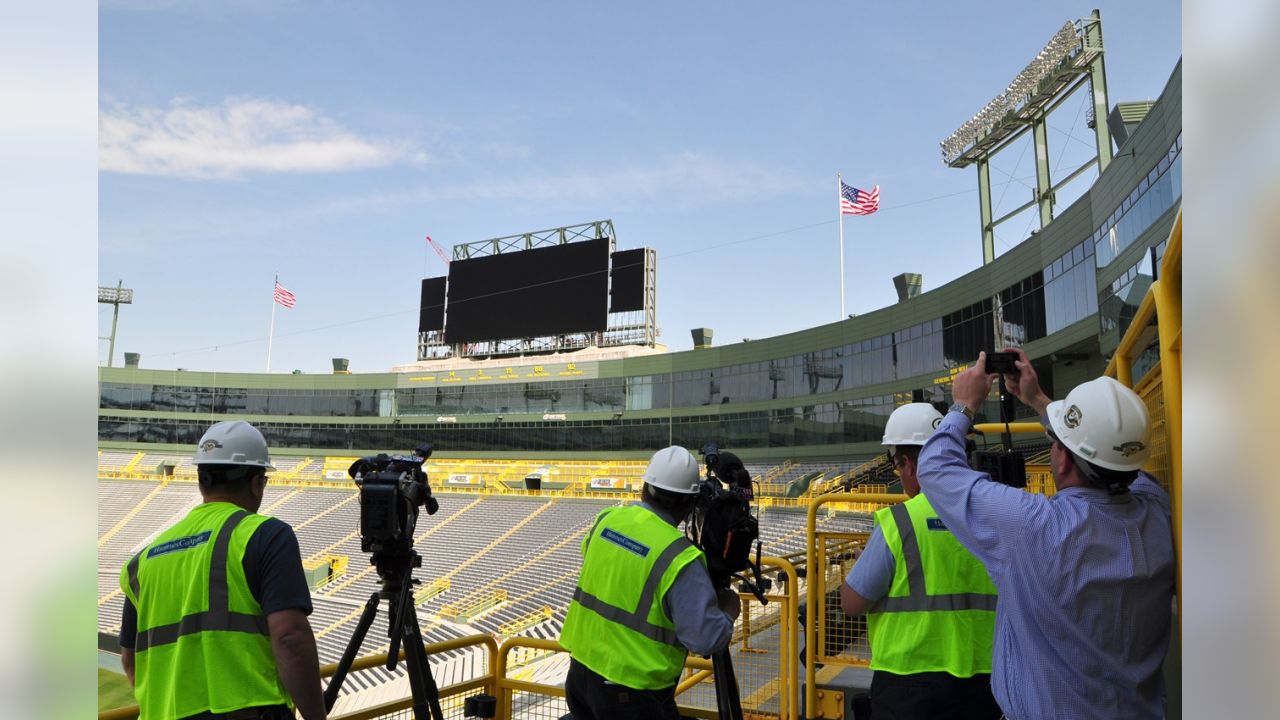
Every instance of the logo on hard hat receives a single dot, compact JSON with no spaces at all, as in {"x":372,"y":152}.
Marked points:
{"x":209,"y":444}
{"x":1072,"y":418}
{"x":936,"y":422}
{"x":1132,"y":447}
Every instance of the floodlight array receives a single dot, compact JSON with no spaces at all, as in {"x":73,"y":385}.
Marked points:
{"x":121,"y":296}
{"x":1068,"y":40}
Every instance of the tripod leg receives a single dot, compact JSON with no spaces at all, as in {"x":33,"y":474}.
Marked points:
{"x":423,"y":686}
{"x":349,"y":654}
{"x":728,"y":702}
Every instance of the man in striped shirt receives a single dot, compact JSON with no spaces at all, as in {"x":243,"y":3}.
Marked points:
{"x":1086,"y":577}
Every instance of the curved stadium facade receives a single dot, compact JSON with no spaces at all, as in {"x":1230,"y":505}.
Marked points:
{"x":1066,"y":295}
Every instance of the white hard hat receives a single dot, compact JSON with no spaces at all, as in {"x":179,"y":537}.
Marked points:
{"x":911,"y":424}
{"x":673,"y":469}
{"x":233,"y":442}
{"x":1103,"y":422}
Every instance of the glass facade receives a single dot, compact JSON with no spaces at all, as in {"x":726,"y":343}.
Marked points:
{"x":1156,"y":193}
{"x":240,"y":401}
{"x":1070,"y":288}
{"x":860,"y":420}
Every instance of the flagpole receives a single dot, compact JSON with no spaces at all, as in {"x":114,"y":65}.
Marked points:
{"x":271,"y":333}
{"x":840,"y":213}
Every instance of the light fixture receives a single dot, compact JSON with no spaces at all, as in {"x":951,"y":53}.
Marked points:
{"x":1067,"y":41}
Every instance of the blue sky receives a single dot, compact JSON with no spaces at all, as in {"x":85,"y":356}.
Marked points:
{"x":323,"y":140}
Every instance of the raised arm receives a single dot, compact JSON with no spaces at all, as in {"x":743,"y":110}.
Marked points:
{"x":985,"y":516}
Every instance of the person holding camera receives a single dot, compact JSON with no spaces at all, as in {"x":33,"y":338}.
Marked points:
{"x":215,"y":617}
{"x":1086,"y":577}
{"x":644,"y":601}
{"x":930,"y":605}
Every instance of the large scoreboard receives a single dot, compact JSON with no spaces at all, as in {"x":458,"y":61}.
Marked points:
{"x":544,"y":291}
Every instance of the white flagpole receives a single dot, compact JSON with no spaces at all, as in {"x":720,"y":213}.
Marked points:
{"x":272,"y":332}
{"x":840,"y":212}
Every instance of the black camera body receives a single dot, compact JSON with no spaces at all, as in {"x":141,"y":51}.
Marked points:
{"x":722,"y":524}
{"x":1002,"y":363}
{"x":392,"y":489}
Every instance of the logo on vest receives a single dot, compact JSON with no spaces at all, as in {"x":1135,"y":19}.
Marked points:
{"x":180,"y":544}
{"x":935,"y":524}
{"x":625,"y":542}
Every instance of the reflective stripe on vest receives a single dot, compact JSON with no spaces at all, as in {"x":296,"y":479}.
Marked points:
{"x":919,"y":600}
{"x":202,"y":644}
{"x":617,"y":624}
{"x":218,"y":616}
{"x":939,"y":614}
{"x":639,"y":620}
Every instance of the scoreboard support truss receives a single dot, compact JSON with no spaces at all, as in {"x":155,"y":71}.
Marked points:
{"x":639,"y":327}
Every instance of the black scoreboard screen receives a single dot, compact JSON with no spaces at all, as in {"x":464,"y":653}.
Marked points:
{"x":553,"y":290}
{"x":628,"y":280}
{"x":431,"y":309}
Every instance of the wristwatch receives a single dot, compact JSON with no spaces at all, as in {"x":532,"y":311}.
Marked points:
{"x":962,"y":408}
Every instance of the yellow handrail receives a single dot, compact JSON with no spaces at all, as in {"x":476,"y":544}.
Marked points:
{"x":1163,"y":304}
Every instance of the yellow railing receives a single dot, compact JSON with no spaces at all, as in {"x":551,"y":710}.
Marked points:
{"x":828,"y":633}
{"x":526,"y":621}
{"x":431,"y":589}
{"x":473,"y":605}
{"x":1161,"y":388}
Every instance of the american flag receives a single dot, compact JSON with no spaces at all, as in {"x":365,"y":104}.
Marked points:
{"x":284,"y":297}
{"x":858,"y":202}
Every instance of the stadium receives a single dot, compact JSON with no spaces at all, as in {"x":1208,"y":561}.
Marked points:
{"x":541,"y":424}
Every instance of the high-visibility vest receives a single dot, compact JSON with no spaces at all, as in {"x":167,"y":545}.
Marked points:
{"x":202,"y":643}
{"x":616,"y":623}
{"x":939,"y":615}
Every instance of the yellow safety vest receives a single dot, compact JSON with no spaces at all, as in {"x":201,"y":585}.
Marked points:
{"x":202,"y":643}
{"x":939,"y":615}
{"x":616,"y":623}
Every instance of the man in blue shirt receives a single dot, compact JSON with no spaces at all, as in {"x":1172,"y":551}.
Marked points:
{"x":1086,"y":577}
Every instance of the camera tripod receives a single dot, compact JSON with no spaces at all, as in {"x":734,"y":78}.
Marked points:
{"x":395,"y":567}
{"x":728,"y":702}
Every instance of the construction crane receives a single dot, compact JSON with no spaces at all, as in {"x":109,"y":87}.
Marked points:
{"x":439,"y":250}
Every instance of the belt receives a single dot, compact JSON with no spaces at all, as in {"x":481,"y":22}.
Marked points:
{"x":261,"y":712}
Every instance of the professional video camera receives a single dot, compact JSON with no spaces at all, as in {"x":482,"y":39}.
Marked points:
{"x":392,"y":488}
{"x":722,"y":524}
{"x":724,"y":528}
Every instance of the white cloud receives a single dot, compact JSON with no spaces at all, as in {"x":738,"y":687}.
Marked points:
{"x":238,"y":136}
{"x":681,"y":180}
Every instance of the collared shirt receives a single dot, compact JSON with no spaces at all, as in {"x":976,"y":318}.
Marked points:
{"x":872,"y":576}
{"x":701,"y":626}
{"x":1086,"y":584}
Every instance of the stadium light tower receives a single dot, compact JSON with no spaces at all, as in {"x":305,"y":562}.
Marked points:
{"x":1072,"y":59}
{"x":117,"y":296}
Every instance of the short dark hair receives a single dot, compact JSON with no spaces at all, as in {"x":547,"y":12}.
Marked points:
{"x":911,"y":451}
{"x":1115,"y":482}
{"x":229,"y":478}
{"x":673,"y":502}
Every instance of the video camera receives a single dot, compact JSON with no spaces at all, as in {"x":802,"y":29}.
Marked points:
{"x":392,"y":488}
{"x":722,"y":524}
